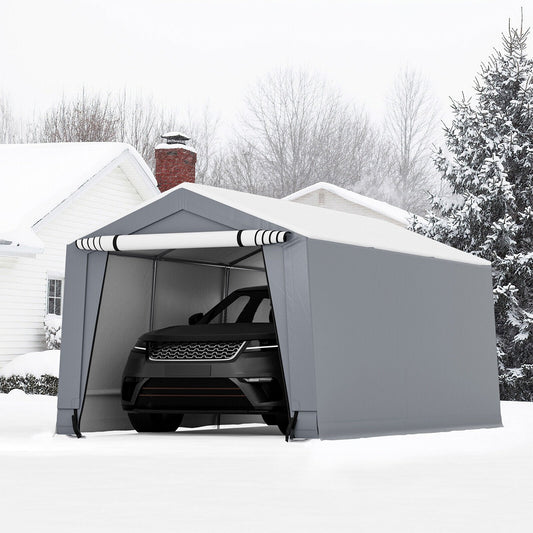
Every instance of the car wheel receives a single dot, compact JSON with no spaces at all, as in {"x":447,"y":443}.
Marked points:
{"x":155,"y":422}
{"x":280,"y":420}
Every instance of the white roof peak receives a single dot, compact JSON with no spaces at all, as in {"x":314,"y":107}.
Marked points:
{"x":36,"y":178}
{"x":383,"y":208}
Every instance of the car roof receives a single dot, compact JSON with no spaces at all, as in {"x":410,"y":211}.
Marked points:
{"x":258,"y":288}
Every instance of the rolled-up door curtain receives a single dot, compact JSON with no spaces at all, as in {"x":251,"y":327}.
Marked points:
{"x":169,"y":241}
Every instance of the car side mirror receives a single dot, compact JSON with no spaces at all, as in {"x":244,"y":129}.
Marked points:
{"x":194,"y":319}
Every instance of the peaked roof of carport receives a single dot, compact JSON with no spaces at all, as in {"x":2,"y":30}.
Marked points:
{"x":328,"y":225}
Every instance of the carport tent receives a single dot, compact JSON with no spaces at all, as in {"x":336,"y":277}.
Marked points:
{"x":380,"y":330}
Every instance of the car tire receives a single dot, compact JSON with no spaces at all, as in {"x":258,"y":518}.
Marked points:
{"x":155,"y":422}
{"x":280,"y":420}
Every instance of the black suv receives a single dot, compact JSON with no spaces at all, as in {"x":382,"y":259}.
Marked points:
{"x":226,"y":361}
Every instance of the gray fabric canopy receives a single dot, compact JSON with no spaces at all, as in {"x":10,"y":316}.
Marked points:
{"x":380,"y":330}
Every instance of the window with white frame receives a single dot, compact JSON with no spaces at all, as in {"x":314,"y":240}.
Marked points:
{"x":55,"y":296}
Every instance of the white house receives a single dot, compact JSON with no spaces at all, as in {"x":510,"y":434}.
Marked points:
{"x":50,"y":195}
{"x":331,"y":196}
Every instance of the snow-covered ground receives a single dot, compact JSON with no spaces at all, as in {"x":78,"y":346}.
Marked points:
{"x":249,"y":479}
{"x":35,"y":363}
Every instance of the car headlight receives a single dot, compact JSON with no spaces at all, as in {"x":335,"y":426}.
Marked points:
{"x":256,"y":346}
{"x":140,"y":346}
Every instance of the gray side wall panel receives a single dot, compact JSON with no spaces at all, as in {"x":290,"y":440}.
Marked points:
{"x":287,"y":269}
{"x":73,"y":324}
{"x":71,"y":351}
{"x":83,"y":288}
{"x":96,"y":272}
{"x":402,"y":343}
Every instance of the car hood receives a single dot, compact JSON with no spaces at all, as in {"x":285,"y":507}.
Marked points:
{"x":212,"y":332}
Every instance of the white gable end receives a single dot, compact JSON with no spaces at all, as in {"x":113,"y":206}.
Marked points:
{"x":330,"y":200}
{"x":323,"y":194}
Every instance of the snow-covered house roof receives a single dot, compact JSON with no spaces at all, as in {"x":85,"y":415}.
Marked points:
{"x":330,"y":225}
{"x":384,"y":209}
{"x":38,"y":179}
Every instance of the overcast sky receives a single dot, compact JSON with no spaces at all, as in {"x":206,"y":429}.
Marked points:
{"x":197,"y":52}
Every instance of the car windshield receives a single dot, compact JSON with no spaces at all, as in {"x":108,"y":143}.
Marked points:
{"x":240,"y":308}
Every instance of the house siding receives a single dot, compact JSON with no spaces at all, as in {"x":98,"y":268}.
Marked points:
{"x":23,"y":280}
{"x":329,"y":200}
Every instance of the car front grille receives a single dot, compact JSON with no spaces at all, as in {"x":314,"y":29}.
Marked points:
{"x":194,"y":351}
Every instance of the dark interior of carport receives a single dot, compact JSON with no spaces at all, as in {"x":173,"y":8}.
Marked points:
{"x":147,"y":290}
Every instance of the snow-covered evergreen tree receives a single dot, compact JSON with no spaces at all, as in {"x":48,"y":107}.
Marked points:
{"x":488,"y":166}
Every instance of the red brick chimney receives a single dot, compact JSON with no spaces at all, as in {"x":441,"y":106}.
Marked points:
{"x":174,"y":161}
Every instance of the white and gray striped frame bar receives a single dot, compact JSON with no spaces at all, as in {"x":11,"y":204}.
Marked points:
{"x":169,"y":241}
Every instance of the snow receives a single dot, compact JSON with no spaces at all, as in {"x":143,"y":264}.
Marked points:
{"x":20,"y":243}
{"x":165,"y":146}
{"x":330,"y":225}
{"x":20,"y":240}
{"x":38,"y":177}
{"x":35,"y":363}
{"x":383,"y":208}
{"x":52,"y":331}
{"x":175,"y":134}
{"x":249,"y":479}
{"x":515,"y":372}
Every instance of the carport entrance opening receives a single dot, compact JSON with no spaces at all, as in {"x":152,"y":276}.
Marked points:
{"x":151,"y":290}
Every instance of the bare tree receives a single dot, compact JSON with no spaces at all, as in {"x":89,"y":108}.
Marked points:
{"x":86,"y":118}
{"x":202,"y":128}
{"x":297,"y":130}
{"x":238,"y":168}
{"x":139,"y":124}
{"x":411,"y":125}
{"x":292,"y":117}
{"x":7,"y":121}
{"x":378,"y":168}
{"x":136,"y":120}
